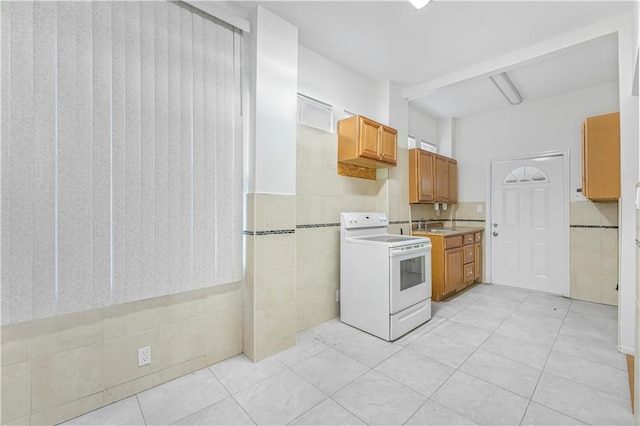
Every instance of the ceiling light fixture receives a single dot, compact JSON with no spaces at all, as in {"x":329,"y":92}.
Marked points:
{"x":506,"y":87}
{"x":419,"y":4}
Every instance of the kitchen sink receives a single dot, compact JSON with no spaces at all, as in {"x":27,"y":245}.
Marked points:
{"x":436,"y":230}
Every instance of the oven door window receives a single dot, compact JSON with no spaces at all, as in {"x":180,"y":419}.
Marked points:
{"x":412,"y":272}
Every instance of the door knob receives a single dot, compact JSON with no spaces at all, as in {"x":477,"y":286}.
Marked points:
{"x":495,"y":234}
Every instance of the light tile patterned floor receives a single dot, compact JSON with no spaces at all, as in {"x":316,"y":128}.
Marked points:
{"x":493,"y":355}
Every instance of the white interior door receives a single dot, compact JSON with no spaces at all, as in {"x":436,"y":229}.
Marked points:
{"x":526,"y":229}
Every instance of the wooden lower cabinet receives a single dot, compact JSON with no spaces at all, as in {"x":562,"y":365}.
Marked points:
{"x":456,"y":262}
{"x":453,"y":261}
{"x":478,"y":261}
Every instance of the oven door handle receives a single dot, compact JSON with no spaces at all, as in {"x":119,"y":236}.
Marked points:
{"x":398,"y":252}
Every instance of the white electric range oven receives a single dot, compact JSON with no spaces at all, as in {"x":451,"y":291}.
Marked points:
{"x":385,"y":279}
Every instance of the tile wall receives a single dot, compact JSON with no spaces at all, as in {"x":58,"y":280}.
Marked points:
{"x":56,"y":368}
{"x":321,"y":195}
{"x":594,"y":251}
{"x":459,"y":214}
{"x":270,"y":276}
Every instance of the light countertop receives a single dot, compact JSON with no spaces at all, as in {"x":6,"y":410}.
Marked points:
{"x":447,"y":232}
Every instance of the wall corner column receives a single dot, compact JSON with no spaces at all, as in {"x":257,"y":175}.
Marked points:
{"x":270,"y":243}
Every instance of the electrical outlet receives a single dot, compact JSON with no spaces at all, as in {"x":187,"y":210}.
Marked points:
{"x":337,"y":295}
{"x":144,"y":356}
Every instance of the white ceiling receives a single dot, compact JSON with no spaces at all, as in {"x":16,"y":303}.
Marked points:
{"x":388,"y":40}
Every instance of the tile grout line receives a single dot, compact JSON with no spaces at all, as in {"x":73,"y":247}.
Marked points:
{"x":212,"y":404}
{"x":328,"y":396}
{"x":370,"y":369}
{"x":331,"y":396}
{"x":230,"y":394}
{"x":144,"y":419}
{"x":471,"y":354}
{"x":456,"y":369}
{"x":320,"y":390}
{"x":544,"y":366}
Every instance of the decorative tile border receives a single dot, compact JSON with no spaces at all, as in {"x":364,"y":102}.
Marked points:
{"x":595,"y":226}
{"x":638,"y":243}
{"x":318,"y":225}
{"x":276,"y":232}
{"x":396,"y":222}
{"x":337,"y":224}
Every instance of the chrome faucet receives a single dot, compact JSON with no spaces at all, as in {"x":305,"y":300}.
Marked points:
{"x":421,"y":226}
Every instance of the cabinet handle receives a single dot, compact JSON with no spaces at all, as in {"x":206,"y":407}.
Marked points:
{"x":495,"y":234}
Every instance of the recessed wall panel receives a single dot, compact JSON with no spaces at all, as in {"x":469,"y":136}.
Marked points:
{"x":540,"y":259}
{"x":511,"y":206}
{"x":512,"y":256}
{"x":540,"y":208}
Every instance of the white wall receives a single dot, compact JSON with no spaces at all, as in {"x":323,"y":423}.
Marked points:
{"x":446,"y":136}
{"x":397,"y":115}
{"x":273,"y":43}
{"x":422,"y":126}
{"x":322,"y":79}
{"x":552,"y":124}
{"x":629,"y":169}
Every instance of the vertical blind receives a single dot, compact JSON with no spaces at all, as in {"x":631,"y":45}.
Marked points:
{"x":121,"y":154}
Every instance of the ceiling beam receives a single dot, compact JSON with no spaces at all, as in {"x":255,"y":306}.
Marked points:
{"x":515,"y":59}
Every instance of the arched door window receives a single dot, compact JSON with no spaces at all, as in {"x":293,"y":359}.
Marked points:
{"x":525,"y":174}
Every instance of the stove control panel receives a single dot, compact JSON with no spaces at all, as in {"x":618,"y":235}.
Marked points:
{"x":364,"y":220}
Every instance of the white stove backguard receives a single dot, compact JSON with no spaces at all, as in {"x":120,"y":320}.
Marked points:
{"x":362,"y":224}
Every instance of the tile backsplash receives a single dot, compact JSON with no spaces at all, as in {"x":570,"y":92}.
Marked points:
{"x":594,"y":251}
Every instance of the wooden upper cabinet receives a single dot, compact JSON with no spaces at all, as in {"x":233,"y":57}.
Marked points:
{"x":601,"y":157}
{"x":441,"y":179}
{"x":433,"y":178}
{"x":452,"y":173}
{"x":367,"y":143}
{"x":420,"y":171}
{"x":389,"y":145}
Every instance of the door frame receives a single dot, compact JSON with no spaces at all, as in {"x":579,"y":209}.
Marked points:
{"x":566,"y":200}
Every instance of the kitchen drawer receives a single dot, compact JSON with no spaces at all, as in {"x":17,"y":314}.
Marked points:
{"x":478,"y":237}
{"x":468,"y":253}
{"x":452,"y":242}
{"x":469,"y":272}
{"x":468,"y":239}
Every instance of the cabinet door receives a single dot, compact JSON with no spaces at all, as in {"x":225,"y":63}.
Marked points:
{"x":469,"y":252}
{"x":425,"y":175}
{"x":420,"y":176}
{"x":453,"y":269}
{"x":477,"y":261}
{"x":601,"y":157}
{"x":388,"y":145}
{"x":440,"y":179}
{"x":368,"y":139}
{"x":452,"y":173}
{"x":469,"y":270}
